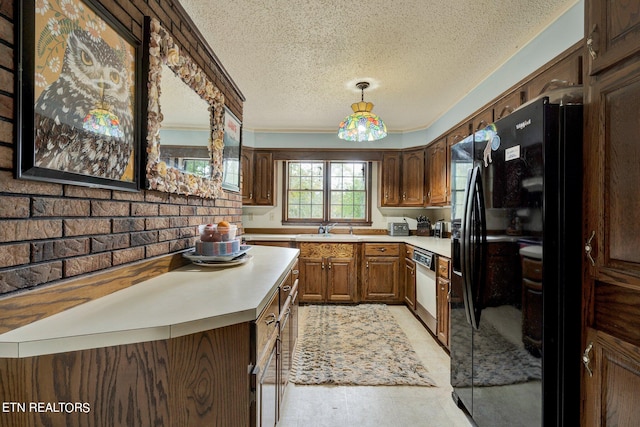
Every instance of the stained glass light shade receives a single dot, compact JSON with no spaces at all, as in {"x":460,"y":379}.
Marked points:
{"x":103,"y":122}
{"x":362,"y":125}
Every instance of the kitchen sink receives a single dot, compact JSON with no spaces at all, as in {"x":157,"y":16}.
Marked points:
{"x":328,"y":236}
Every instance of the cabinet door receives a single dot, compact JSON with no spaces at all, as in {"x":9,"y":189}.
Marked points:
{"x":612,"y":30}
{"x":311,"y":285}
{"x":341,"y":279}
{"x":442,"y":319}
{"x":567,"y":72}
{"x":246,"y":160}
{"x":437,"y":170}
{"x":263,"y":182}
{"x":483,"y":119}
{"x":413,"y":193}
{"x":381,"y":277}
{"x":612,"y":379}
{"x":508,"y":104}
{"x":410,"y":283}
{"x":611,"y":283}
{"x":390,"y":179}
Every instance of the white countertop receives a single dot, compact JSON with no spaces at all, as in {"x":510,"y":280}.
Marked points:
{"x":184,"y":301}
{"x":433,"y":244}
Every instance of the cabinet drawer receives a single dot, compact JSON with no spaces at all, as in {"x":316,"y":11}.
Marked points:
{"x":408,"y":251}
{"x":266,"y":322}
{"x":532,"y":269}
{"x":382,"y":249}
{"x":443,"y":267}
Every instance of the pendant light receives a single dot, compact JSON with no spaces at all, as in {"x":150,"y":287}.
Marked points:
{"x":362,"y":125}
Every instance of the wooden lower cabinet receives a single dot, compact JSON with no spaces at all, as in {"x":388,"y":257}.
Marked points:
{"x":327,"y":272}
{"x":443,"y":292}
{"x":409,"y":278}
{"x":612,"y":367}
{"x":199,"y":379}
{"x":381,"y":272}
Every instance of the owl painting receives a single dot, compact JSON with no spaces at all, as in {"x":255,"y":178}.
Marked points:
{"x":93,"y":81}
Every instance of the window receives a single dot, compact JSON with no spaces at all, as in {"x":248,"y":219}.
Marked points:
{"x":327,"y":191}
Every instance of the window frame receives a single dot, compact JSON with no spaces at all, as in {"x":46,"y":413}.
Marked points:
{"x":326,"y":190}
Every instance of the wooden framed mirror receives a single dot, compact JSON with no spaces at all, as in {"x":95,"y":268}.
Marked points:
{"x":192,"y":163}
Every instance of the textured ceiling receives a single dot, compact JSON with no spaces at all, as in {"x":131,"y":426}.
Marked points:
{"x":297,"y":62}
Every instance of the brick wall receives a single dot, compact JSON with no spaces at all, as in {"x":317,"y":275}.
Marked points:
{"x":50,"y":232}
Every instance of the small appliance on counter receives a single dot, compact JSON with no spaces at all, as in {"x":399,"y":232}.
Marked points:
{"x":398,"y":228}
{"x":439,"y":229}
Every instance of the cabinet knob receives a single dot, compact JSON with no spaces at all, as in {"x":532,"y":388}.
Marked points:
{"x":382,"y":249}
{"x":295,"y":271}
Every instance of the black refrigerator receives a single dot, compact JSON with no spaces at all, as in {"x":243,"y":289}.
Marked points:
{"x":516,"y":279}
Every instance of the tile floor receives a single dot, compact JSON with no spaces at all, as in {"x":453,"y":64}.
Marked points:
{"x":401,"y":406}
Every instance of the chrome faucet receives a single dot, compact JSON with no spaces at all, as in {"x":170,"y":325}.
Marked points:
{"x":329,"y":227}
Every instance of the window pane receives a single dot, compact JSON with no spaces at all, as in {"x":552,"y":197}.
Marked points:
{"x":294,"y":197}
{"x":294,"y":211}
{"x":294,"y":169}
{"x":305,"y":183}
{"x":316,"y":211}
{"x":305,"y":211}
{"x":317,"y":198}
{"x":336,"y":198}
{"x":294,"y":183}
{"x":317,"y":183}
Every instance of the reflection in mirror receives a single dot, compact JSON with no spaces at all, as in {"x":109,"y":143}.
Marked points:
{"x":161,"y":173}
{"x":184,"y":135}
{"x":231,"y":153}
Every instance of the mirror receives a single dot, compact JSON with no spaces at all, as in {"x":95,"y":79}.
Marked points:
{"x":167,"y":61}
{"x":184,"y":134}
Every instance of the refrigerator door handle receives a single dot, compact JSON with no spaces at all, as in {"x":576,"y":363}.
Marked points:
{"x":473,"y":248}
{"x":478,"y":251}
{"x":465,"y":248}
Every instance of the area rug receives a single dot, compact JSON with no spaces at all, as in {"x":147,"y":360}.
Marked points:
{"x":504,"y":364}
{"x":355,"y":345}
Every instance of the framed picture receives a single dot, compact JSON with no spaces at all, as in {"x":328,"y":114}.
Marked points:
{"x":79,"y":96}
{"x":231,"y":153}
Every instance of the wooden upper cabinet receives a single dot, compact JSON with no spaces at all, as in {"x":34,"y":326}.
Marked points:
{"x":459,"y":133}
{"x":483,"y":119}
{"x":258,"y":182}
{"x":413,"y":193}
{"x":390,"y":179}
{"x":402,"y":180}
{"x":437,"y":172}
{"x":508,"y":104}
{"x":566,"y":72}
{"x":612,"y":31}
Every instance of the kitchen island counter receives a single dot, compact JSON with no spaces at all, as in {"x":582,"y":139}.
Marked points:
{"x":184,"y":301}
